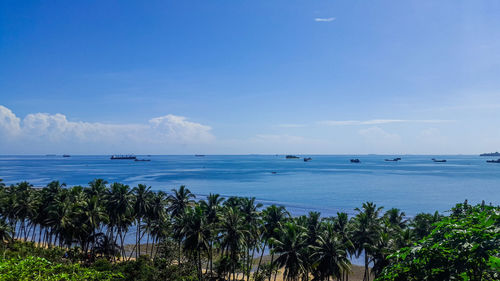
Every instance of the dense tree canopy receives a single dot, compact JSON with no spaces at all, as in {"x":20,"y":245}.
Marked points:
{"x":463,"y":246}
{"x":177,"y":235}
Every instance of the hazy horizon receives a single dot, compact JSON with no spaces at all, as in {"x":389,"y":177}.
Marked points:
{"x":249,"y":154}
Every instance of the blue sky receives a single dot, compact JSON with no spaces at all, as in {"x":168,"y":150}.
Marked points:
{"x":175,"y":77}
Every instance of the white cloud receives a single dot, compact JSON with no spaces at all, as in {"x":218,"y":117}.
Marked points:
{"x":46,"y":129}
{"x":177,"y":127}
{"x":324,"y":19}
{"x":9,"y":122}
{"x":378,"y":122}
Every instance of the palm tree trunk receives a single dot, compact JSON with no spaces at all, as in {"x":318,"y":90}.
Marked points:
{"x":179,"y":258}
{"x":138,"y":241}
{"x":366,"y":277}
{"x":272,"y":259}
{"x":122,"y":241}
{"x":199,"y":266}
{"x":250,"y":262}
{"x":21,"y":229}
{"x":33,"y":237}
{"x":275,"y":274}
{"x":147,"y":240}
{"x":210,"y":256}
{"x":157,"y":248}
{"x":40,"y":236}
{"x":261,"y":254}
{"x":152,"y":246}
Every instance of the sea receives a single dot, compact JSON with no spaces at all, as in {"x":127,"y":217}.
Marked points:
{"x":327,"y":183}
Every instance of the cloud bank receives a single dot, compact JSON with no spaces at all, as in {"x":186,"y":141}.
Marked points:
{"x":45,"y":130}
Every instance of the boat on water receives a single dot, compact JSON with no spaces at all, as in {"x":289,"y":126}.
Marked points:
{"x":199,"y":155}
{"x":490,"y":154}
{"x":123,"y":157}
{"x":355,"y":161}
{"x":142,"y":160}
{"x":493,"y":161}
{"x":66,"y":155}
{"x":307,"y":159}
{"x":439,"y":160}
{"x":393,"y":160}
{"x":292,"y":157}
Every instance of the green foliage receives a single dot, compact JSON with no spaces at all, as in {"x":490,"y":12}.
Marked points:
{"x":38,"y":269}
{"x":179,"y":238}
{"x":141,"y":269}
{"x":144,"y":269}
{"x":19,"y":249}
{"x":463,"y":246}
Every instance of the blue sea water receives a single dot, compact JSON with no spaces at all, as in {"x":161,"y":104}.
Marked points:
{"x":328,"y":183}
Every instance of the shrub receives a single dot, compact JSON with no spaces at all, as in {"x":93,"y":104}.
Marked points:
{"x":38,"y":269}
{"x":463,"y":246}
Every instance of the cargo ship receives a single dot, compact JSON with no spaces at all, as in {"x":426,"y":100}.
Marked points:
{"x":123,"y":157}
{"x":490,"y":154}
{"x":393,"y":160}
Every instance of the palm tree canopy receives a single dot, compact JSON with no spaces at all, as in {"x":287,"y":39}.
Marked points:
{"x":180,"y":200}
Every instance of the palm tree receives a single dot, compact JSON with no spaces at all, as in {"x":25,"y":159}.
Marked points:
{"x":156,"y":213}
{"x":23,"y":204}
{"x":197,"y":235}
{"x":290,"y":243}
{"x":211,"y":208}
{"x":396,"y":218}
{"x":342,"y":227}
{"x":142,"y":204}
{"x":95,"y":214}
{"x":251,"y":214}
{"x":382,"y":248}
{"x":422,"y":224}
{"x":366,"y":230}
{"x":313,"y":227}
{"x":233,"y":232}
{"x":273,"y":216}
{"x":118,"y":204}
{"x":5,"y":232}
{"x":9,"y":213}
{"x":330,"y":254}
{"x":63,"y":220}
{"x":160,"y":230}
{"x":49,"y":195}
{"x":179,"y":201}
{"x":96,"y":188}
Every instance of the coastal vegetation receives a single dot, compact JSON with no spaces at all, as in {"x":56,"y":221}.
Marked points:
{"x":84,"y":233}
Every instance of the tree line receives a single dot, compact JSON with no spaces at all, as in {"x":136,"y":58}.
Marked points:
{"x":231,"y":238}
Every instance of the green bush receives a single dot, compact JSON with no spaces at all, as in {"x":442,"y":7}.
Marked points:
{"x":38,"y":269}
{"x":463,"y":246}
{"x":19,"y":249}
{"x":102,"y":265}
